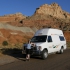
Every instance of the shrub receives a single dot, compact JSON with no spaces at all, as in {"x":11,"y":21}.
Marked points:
{"x":21,"y":21}
{"x":68,"y":44}
{"x":5,"y":43}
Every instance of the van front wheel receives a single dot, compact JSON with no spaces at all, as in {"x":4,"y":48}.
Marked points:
{"x":44,"y":54}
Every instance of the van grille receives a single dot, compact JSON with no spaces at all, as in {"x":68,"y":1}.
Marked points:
{"x":33,"y":48}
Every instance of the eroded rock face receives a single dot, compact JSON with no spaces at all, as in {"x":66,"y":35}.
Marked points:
{"x":53,"y":10}
{"x":14,"y":37}
{"x":67,"y":35}
{"x":12,"y":17}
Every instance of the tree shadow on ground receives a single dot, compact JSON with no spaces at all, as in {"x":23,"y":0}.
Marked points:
{"x":17,"y":53}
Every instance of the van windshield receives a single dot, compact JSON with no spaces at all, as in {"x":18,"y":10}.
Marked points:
{"x":39,"y":38}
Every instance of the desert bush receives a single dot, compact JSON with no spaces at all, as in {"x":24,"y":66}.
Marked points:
{"x":21,"y":21}
{"x":68,"y":44}
{"x":5,"y":43}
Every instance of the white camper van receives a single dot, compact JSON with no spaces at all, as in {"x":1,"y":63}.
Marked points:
{"x":47,"y":41}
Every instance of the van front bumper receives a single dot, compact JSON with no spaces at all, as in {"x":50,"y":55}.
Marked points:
{"x":36,"y":52}
{"x":33,"y":52}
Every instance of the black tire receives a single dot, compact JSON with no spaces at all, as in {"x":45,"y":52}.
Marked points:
{"x":44,"y":54}
{"x":61,"y":50}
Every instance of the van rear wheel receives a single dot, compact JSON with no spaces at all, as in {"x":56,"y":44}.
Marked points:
{"x":44,"y":54}
{"x":61,"y":50}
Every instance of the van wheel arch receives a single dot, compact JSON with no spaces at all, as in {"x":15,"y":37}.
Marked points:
{"x":45,"y":49}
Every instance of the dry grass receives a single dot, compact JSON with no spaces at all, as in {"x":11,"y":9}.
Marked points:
{"x":68,"y":44}
{"x":11,"y":49}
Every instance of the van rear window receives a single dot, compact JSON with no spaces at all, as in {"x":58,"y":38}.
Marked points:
{"x":61,"y":38}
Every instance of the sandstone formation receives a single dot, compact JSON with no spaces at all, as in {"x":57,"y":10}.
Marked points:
{"x":17,"y":28}
{"x":48,"y":16}
{"x":53,"y":10}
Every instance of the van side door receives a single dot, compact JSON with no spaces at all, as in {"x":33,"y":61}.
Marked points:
{"x":56,"y":42}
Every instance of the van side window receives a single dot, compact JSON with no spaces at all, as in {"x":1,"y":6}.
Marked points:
{"x":49,"y":39}
{"x":61,"y":38}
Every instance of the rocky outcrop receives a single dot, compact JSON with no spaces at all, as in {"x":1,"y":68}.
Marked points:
{"x":53,"y":10}
{"x":12,"y":17}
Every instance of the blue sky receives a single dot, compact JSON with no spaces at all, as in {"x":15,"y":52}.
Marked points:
{"x":28,"y":7}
